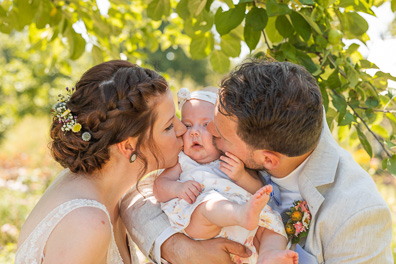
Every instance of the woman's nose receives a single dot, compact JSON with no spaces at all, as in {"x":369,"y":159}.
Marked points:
{"x":180,"y":128}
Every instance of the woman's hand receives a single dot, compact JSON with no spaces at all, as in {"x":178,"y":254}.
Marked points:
{"x":188,"y":191}
{"x":179,"y":249}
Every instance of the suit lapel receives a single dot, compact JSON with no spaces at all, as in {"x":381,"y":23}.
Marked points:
{"x":319,"y":170}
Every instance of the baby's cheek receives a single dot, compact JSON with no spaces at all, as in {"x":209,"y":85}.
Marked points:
{"x":186,"y":137}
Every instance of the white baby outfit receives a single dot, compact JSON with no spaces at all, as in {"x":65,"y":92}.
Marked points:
{"x":32,"y":249}
{"x":215,"y":183}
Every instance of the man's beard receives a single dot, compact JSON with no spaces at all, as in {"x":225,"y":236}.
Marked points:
{"x":250,"y":163}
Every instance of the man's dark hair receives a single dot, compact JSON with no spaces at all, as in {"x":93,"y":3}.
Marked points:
{"x":278,"y":106}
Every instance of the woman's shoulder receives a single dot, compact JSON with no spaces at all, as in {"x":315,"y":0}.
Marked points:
{"x":84,"y":229}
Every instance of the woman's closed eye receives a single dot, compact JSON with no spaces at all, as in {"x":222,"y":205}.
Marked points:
{"x":169,"y":127}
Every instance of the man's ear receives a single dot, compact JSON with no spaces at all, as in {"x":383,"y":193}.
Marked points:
{"x":127,"y":147}
{"x":269,"y":159}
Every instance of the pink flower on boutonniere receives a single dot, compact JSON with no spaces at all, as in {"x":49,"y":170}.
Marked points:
{"x":297,"y":226}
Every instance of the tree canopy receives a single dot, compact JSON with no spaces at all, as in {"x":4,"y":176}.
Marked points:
{"x":310,"y":33}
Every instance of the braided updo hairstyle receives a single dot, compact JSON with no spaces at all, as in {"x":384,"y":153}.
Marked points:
{"x":113,"y":101}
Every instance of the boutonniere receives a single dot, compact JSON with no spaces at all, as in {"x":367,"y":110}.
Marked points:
{"x":297,"y":225}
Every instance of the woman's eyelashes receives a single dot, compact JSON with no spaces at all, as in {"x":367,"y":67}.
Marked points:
{"x":169,"y":127}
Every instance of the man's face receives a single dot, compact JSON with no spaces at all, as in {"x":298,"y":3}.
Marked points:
{"x":224,"y":130}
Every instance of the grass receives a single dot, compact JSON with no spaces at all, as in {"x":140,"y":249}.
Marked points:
{"x":26,"y":169}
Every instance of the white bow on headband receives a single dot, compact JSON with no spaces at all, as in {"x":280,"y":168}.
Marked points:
{"x":183,"y":95}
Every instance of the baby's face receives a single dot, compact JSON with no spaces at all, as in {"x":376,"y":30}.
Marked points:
{"x":198,"y":142}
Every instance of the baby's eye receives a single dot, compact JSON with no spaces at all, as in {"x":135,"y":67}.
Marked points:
{"x":205,"y":124}
{"x":187,"y":125}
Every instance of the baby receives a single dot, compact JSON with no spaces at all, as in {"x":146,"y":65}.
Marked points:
{"x":200,"y":195}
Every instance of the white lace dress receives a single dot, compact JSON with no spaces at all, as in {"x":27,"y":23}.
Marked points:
{"x":32,"y":249}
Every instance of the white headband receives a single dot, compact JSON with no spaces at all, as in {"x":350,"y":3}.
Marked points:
{"x":183,"y":95}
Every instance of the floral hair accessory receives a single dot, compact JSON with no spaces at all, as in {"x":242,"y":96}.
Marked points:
{"x":297,"y":226}
{"x":64,"y":114}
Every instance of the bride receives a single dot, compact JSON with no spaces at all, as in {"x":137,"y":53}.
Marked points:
{"x":117,"y":126}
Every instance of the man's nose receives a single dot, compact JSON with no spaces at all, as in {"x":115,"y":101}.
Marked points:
{"x":212,"y":129}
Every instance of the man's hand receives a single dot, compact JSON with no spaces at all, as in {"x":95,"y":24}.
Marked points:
{"x":179,"y":249}
{"x":188,"y":191}
{"x":233,"y":167}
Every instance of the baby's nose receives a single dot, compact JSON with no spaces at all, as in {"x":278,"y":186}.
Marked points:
{"x":194,"y":132}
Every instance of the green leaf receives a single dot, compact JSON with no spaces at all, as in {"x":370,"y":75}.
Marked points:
{"x":355,"y":23}
{"x":365,"y":143}
{"x":157,"y":8}
{"x":343,"y":133}
{"x":275,"y":9}
{"x":220,"y":62}
{"x":380,"y":130}
{"x":357,"y":5}
{"x":284,"y":26}
{"x":230,"y":45}
{"x":25,"y":11}
{"x":290,"y":51}
{"x":352,"y":76}
{"x":392,"y":121}
{"x":76,"y":43}
{"x":352,"y":48}
{"x":271,"y":31}
{"x":365,"y":64}
{"x":325,"y":95}
{"x":372,"y":102}
{"x":333,"y":81}
{"x":306,"y":61}
{"x":252,"y":37}
{"x":301,"y":25}
{"x":311,"y":23}
{"x":257,"y":18}
{"x":307,"y":2}
{"x":393,"y":5}
{"x":182,"y":9}
{"x":200,"y":47}
{"x":196,"y":6}
{"x":341,"y":105}
{"x":321,"y":42}
{"x":348,"y":119}
{"x":228,"y":20}
{"x":391,"y":165}
{"x":97,"y":54}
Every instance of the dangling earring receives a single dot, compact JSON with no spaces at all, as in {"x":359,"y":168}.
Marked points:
{"x":132,"y":158}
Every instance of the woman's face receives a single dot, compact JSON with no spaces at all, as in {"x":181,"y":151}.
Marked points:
{"x":167,"y":133}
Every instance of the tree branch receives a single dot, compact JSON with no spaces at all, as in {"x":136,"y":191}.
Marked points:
{"x":378,"y":110}
{"x":365,"y":124}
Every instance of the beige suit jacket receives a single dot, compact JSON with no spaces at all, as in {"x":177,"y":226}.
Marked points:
{"x":351,"y":223}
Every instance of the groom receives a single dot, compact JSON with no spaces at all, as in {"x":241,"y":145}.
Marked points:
{"x":270,"y":115}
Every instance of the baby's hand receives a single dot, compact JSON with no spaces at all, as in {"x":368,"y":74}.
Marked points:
{"x":233,"y":167}
{"x":189,"y":191}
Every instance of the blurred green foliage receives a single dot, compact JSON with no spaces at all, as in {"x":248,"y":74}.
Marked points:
{"x":360,"y":107}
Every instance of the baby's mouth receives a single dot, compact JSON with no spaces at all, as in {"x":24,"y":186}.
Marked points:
{"x":196,"y":145}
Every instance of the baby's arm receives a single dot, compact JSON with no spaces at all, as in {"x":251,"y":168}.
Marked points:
{"x":235,"y":169}
{"x":166,"y":186}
